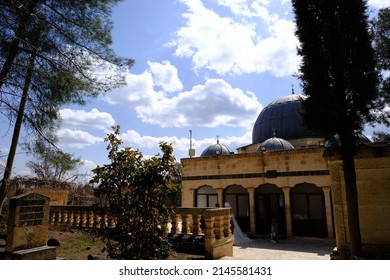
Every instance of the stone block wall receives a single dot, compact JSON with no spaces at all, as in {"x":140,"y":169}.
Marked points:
{"x":373,"y":182}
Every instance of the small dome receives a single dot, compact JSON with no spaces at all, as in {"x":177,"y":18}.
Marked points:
{"x":335,"y":140}
{"x":216,"y":150}
{"x":275,"y":144}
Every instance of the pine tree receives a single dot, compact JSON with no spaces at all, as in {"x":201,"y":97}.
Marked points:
{"x":53,"y":53}
{"x":338,"y":74}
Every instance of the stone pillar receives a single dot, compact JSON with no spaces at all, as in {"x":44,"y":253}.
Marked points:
{"x":328,"y":211}
{"x":28,"y":221}
{"x":252,"y":209}
{"x":220,"y":196}
{"x":287,"y":208}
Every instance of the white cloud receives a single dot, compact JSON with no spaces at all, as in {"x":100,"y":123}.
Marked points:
{"x":379,"y":4}
{"x":165,"y":75}
{"x":151,"y":142}
{"x":88,"y":165}
{"x":138,"y":92}
{"x":257,"y":8}
{"x":232,"y":44}
{"x":83,"y":119}
{"x":181,"y":145}
{"x":77,"y":138}
{"x":214,"y":103}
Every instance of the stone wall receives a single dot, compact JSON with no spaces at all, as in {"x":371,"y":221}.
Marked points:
{"x":373,"y":182}
{"x":57,"y":197}
{"x":282,"y":168}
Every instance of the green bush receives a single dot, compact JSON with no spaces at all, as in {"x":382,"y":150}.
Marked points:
{"x":136,"y":192}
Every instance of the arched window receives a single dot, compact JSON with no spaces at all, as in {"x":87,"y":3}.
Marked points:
{"x":206,"y":196}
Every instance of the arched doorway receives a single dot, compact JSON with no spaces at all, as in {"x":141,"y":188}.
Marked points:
{"x":269,"y":202}
{"x":308,"y":211}
{"x":206,"y":196}
{"x":238,"y":198}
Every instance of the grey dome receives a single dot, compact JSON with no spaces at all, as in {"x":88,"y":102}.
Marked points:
{"x":275,"y":144}
{"x":282,"y":117}
{"x":335,"y":140}
{"x":216,"y":150}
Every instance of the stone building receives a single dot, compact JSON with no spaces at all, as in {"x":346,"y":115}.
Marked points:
{"x":283,"y":174}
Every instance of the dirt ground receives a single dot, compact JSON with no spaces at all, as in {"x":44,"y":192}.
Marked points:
{"x":78,"y":244}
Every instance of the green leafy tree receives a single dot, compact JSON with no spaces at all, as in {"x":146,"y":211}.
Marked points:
{"x":53,"y":53}
{"x":136,"y":192}
{"x":53,"y":164}
{"x":338,"y":74}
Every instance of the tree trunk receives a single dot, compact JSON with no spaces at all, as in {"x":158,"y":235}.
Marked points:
{"x":14,"y":49}
{"x":347,"y":154}
{"x":17,"y":129}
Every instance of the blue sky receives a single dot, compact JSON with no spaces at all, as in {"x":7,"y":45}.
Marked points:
{"x":203,"y":65}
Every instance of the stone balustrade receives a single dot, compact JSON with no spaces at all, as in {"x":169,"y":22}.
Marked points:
{"x":78,"y":216}
{"x":213,"y":223}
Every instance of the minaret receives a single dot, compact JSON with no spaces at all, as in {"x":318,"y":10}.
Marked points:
{"x":191,"y":151}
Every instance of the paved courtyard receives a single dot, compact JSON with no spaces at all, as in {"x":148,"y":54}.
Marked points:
{"x":292,"y":248}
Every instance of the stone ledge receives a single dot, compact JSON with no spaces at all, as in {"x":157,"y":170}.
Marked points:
{"x":37,"y":253}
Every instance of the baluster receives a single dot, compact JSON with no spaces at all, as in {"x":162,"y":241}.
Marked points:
{"x":104,"y":220}
{"x":71,"y":217}
{"x":77,"y":218}
{"x":111,"y":222}
{"x":218,"y":230}
{"x":84,"y":218}
{"x":64,"y":217}
{"x":58,"y":217}
{"x":209,"y":231}
{"x":226,"y":225}
{"x":184,"y":223}
{"x":196,"y":224}
{"x":96,"y":223}
{"x":52,"y":217}
{"x":174,"y":222}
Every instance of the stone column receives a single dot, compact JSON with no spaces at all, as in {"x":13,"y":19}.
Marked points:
{"x":252,"y":209}
{"x":220,"y":196}
{"x":287,"y":208}
{"x":328,"y":211}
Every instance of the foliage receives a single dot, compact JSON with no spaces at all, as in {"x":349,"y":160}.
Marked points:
{"x":53,"y":53}
{"x":380,"y":136}
{"x":66,"y":44}
{"x":136,"y":192}
{"x":381,"y":32}
{"x":338,"y":70}
{"x":339,"y":75}
{"x":52,"y":163}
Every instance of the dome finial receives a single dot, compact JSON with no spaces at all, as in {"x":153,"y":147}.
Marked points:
{"x":292,"y":88}
{"x":217,"y":139}
{"x":274,"y":132}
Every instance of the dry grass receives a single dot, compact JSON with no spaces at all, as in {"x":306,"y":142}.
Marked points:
{"x":78,"y":244}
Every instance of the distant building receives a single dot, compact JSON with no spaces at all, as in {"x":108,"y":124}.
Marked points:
{"x":282,"y":174}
